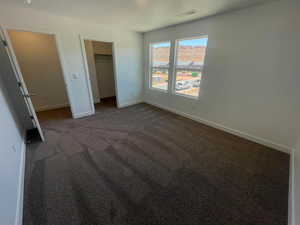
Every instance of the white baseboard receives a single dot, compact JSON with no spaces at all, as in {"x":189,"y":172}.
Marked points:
{"x":84,"y":114}
{"x":250,"y":137}
{"x":51,"y":107}
{"x":20,"y":197}
{"x":291,"y":217}
{"x":129,"y":103}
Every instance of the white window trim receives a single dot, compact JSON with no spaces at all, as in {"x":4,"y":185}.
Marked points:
{"x":175,"y":69}
{"x":150,"y":67}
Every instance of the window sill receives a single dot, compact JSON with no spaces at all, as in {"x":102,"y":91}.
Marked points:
{"x":159,"y":90}
{"x":187,"y":96}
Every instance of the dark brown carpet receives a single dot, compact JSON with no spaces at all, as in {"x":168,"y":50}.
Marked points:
{"x":145,"y":166}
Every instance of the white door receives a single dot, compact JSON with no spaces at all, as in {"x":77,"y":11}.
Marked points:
{"x":10,"y":58}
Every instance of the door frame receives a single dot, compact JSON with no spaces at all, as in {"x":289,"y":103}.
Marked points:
{"x":82,"y":38}
{"x":59,"y":48}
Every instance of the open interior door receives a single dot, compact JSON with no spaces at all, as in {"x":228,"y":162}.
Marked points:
{"x":10,"y":60}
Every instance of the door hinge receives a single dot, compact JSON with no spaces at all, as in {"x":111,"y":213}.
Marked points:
{"x":4,"y":43}
{"x":31,"y":117}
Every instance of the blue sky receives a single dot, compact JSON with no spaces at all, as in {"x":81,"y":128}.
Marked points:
{"x":159,"y":45}
{"x":192,"y":42}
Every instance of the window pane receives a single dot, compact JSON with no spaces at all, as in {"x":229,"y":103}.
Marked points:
{"x":189,"y":65}
{"x":188,"y":82}
{"x":160,"y":78}
{"x":160,"y":57}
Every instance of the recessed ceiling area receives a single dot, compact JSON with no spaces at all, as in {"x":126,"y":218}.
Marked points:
{"x":137,"y":15}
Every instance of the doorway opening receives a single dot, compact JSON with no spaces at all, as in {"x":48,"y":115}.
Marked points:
{"x":40,"y":65}
{"x":99,"y":58}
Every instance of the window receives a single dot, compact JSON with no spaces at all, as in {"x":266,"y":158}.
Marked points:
{"x":190,"y":55}
{"x":160,"y":65}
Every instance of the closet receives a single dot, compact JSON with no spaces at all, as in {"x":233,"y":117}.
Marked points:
{"x":99,"y":56}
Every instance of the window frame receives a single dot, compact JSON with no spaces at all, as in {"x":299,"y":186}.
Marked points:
{"x":174,"y":75}
{"x":151,"y":67}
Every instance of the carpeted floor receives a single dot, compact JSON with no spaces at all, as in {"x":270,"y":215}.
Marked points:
{"x":144,"y":166}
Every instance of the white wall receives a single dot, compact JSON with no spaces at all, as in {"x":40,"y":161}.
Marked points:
{"x":128,"y":51}
{"x":251,"y":75}
{"x":11,"y":153}
{"x":41,"y":68}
